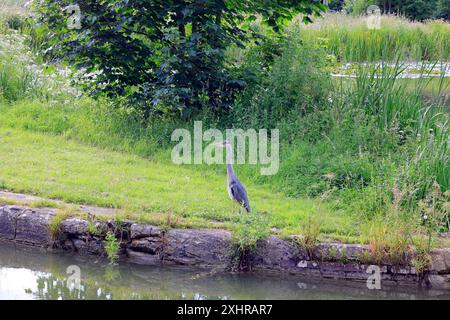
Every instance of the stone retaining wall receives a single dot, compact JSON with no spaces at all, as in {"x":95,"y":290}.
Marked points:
{"x":151,"y":245}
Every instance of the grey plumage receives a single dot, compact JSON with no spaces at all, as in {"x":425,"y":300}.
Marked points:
{"x":235,"y":188}
{"x":237,"y":193}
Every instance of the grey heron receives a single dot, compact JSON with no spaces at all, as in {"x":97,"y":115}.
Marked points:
{"x":235,"y":188}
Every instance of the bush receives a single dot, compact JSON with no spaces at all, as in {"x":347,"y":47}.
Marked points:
{"x":112,"y":247}
{"x":18,"y":78}
{"x":357,"y":7}
{"x":167,"y":57}
{"x":296,"y":86}
{"x":444,"y":10}
{"x":15,"y":22}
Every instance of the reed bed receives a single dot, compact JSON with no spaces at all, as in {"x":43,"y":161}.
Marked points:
{"x":349,"y":39}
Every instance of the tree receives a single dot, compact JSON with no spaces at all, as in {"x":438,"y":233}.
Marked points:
{"x":164,"y":55}
{"x":419,"y":9}
{"x":444,"y":10}
{"x":413,"y":9}
{"x":336,"y":5}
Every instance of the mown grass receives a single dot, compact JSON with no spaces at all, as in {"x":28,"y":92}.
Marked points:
{"x":56,"y":167}
{"x":350,"y":40}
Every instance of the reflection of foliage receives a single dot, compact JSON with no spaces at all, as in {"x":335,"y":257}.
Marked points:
{"x":50,"y":287}
{"x":111,"y":273}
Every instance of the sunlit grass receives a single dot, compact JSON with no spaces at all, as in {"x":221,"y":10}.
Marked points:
{"x":54,"y":167}
{"x":350,"y":40}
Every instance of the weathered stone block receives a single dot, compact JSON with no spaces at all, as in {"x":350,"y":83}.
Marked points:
{"x":276,"y":253}
{"x":150,"y":245}
{"x":142,"y":258}
{"x":88,"y":245}
{"x":144,"y":230}
{"x":340,"y":251}
{"x":447,"y":258}
{"x":197,"y":247}
{"x":440,"y":260}
{"x":74,"y":226}
{"x":8,"y":217}
{"x":32,"y":226}
{"x":441,"y":282}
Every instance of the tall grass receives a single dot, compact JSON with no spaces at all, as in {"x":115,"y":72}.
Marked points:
{"x":10,"y":8}
{"x":22,"y":73}
{"x":14,"y":15}
{"x":381,"y":96}
{"x":296,"y":85}
{"x":350,"y":40}
{"x":432,"y":158}
{"x":420,"y":128}
{"x":19,"y":79}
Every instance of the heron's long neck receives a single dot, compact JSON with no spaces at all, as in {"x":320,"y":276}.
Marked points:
{"x":230,"y":161}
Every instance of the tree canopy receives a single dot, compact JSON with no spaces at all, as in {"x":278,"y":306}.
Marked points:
{"x":164,"y":55}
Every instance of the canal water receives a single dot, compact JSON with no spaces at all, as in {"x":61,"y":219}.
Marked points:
{"x":36,"y":274}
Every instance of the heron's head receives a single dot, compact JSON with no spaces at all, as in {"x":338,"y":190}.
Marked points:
{"x":223,"y":144}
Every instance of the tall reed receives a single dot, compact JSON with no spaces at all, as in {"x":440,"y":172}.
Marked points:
{"x":419,"y":125}
{"x":350,"y":39}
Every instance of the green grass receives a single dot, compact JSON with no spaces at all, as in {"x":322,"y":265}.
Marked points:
{"x":349,"y":39}
{"x":55,"y":167}
{"x":433,"y":90}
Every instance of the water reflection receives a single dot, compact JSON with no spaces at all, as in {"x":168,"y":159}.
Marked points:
{"x":31,"y":274}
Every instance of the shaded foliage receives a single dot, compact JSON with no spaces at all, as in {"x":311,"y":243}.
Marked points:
{"x":164,"y":56}
{"x":413,"y":9}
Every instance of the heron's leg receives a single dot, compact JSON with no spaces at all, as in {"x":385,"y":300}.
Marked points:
{"x":232,"y":211}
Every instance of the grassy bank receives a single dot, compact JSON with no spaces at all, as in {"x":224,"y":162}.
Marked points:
{"x":361,"y":162}
{"x":56,"y":167}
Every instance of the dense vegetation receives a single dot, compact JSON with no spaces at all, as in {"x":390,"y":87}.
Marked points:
{"x":163,"y":56}
{"x":348,"y":39}
{"x":413,"y":9}
{"x":364,"y":160}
